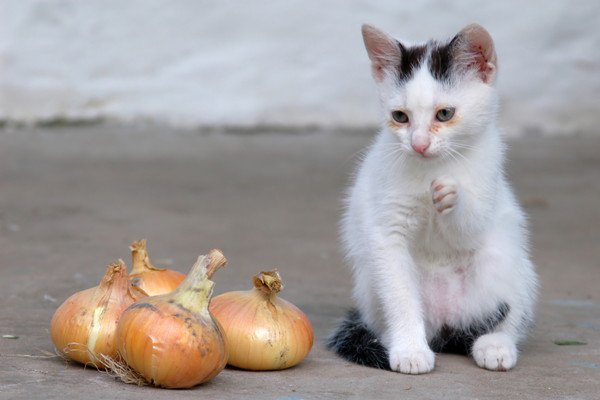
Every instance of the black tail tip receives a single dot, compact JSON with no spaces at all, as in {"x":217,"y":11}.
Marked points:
{"x":355,"y":342}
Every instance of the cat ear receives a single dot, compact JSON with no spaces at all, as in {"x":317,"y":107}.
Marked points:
{"x":384,"y":51}
{"x":476,"y":51}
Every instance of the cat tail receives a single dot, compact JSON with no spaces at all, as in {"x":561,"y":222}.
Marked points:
{"x":355,"y":342}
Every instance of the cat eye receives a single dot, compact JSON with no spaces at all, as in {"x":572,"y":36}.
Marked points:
{"x":445,"y":114}
{"x":400,"y":117}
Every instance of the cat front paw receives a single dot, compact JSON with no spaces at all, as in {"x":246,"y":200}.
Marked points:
{"x":444,"y":193}
{"x":412,"y":361}
{"x":495,"y":351}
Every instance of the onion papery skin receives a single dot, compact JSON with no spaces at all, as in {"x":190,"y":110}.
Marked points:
{"x":172,"y":340}
{"x":152,"y":280}
{"x":84,"y":326}
{"x":169,"y":348}
{"x":263,"y":332}
{"x":155,"y":283}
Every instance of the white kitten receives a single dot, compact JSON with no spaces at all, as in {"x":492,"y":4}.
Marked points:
{"x":436,"y":239}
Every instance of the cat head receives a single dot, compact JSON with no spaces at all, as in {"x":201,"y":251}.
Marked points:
{"x":438,"y":97}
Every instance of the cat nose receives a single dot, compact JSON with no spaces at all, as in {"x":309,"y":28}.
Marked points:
{"x":420,"y":146}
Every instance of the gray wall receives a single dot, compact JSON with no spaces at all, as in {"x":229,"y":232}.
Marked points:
{"x":291,"y":63}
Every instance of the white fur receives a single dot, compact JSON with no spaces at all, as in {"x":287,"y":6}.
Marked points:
{"x":439,"y":239}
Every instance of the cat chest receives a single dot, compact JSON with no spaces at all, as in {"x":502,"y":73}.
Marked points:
{"x":445,"y":293}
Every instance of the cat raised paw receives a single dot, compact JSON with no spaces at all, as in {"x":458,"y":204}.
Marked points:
{"x":495,"y":351}
{"x":419,"y":361}
{"x":444,"y":193}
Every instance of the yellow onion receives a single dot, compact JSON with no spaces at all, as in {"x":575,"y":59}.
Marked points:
{"x":83,"y":327}
{"x":263,"y":331}
{"x":172,"y":340}
{"x":152,"y":280}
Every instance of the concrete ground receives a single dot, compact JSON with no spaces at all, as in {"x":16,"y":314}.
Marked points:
{"x":72,"y":199}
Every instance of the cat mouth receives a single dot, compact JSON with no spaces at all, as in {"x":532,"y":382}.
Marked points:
{"x":423,"y":156}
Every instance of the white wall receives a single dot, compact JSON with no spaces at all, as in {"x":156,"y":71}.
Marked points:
{"x":278,"y":62}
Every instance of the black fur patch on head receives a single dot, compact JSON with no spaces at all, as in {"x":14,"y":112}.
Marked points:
{"x":460,"y":341}
{"x":410,"y":60}
{"x":355,"y":342}
{"x":441,"y":60}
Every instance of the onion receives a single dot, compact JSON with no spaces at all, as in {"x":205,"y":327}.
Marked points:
{"x":172,"y":340}
{"x":264,"y":332}
{"x":152,"y":280}
{"x":83,"y":327}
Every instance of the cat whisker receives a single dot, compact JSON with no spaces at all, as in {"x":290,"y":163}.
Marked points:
{"x":401,"y":160}
{"x":454,"y":153}
{"x":452,"y":145}
{"x":449,"y":153}
{"x":359,"y":155}
{"x":462,"y":145}
{"x":393,"y":152}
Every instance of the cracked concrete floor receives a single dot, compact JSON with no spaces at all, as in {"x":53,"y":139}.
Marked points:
{"x":73,"y":198}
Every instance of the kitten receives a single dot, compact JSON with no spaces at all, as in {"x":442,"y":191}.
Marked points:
{"x":437,"y":241}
